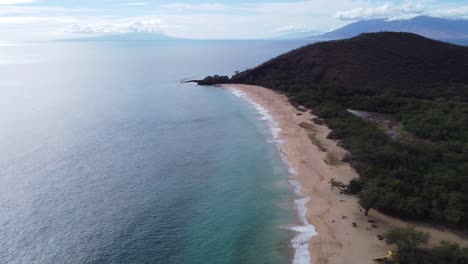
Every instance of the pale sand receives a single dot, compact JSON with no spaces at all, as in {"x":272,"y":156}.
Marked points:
{"x":330,"y":212}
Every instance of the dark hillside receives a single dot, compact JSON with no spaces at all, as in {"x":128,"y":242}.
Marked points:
{"x":398,"y":61}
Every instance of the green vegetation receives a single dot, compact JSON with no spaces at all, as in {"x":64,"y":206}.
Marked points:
{"x":211,"y":80}
{"x":422,"y":178}
{"x":422,"y":83}
{"x":354,"y":186}
{"x":408,"y":242}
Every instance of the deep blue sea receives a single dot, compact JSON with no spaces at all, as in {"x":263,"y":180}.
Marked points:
{"x":105,"y":157}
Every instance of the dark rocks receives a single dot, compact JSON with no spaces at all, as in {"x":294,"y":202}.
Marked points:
{"x":347,"y":158}
{"x":317,"y":121}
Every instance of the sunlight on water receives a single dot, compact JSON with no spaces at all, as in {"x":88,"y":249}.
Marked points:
{"x":107,"y":158}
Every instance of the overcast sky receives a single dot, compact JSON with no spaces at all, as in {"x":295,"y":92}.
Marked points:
{"x":52,"y":19}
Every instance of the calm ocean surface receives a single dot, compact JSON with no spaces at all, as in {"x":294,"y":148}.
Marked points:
{"x":106,"y":158}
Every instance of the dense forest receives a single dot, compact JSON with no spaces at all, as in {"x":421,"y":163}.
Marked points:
{"x":421,"y":82}
{"x":409,"y":244}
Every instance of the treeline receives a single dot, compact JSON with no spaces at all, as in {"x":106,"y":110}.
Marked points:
{"x":422,"y":178}
{"x":212,"y":80}
{"x":409,"y":241}
{"x":425,"y":178}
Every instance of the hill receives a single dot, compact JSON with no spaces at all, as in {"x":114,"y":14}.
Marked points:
{"x":421,"y":83}
{"x":389,"y":60}
{"x":431,"y":27}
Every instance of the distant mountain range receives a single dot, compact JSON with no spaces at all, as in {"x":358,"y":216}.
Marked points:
{"x":132,"y":36}
{"x":455,"y":31}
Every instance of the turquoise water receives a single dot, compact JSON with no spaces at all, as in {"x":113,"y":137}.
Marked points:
{"x":106,"y":158}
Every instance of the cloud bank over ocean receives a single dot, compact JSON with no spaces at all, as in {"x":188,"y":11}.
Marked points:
{"x":48,"y":19}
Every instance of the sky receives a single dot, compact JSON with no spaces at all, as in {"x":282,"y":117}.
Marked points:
{"x":29,"y":20}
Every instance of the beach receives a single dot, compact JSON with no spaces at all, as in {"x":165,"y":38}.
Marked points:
{"x":343,"y":233}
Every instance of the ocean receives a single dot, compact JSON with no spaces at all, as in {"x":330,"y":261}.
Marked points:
{"x":106,"y":157}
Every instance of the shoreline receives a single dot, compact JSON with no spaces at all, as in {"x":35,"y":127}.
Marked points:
{"x":303,"y":231}
{"x":341,"y":232}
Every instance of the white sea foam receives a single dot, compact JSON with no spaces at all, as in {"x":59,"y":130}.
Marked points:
{"x":304,"y":230}
{"x":264,"y":113}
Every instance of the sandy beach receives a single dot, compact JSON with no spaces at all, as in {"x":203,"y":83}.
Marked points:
{"x":317,"y":160}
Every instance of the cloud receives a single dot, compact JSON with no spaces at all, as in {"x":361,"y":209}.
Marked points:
{"x":208,"y":20}
{"x":459,"y":12}
{"x":137,"y":3}
{"x":17,"y":10}
{"x":204,"y":7}
{"x":93,"y":29}
{"x":148,"y":26}
{"x":15,"y":2}
{"x":23,"y":20}
{"x":292,"y":28}
{"x":384,"y":11}
{"x":252,"y":20}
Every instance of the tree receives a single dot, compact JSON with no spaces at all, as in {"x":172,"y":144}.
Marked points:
{"x":354,"y":186}
{"x":448,"y":253}
{"x":369,"y":199}
{"x":407,"y":240}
